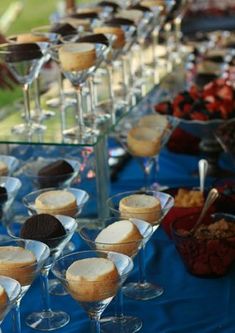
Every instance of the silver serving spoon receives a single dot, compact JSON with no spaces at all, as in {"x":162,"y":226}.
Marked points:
{"x":203,"y":168}
{"x":212,"y":196}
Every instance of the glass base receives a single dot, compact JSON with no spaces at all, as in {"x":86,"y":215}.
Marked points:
{"x":47,"y":320}
{"x":28,"y":129}
{"x":81,"y":134}
{"x":42,"y":114}
{"x":56,"y":288}
{"x":142,"y":291}
{"x":124,"y":324}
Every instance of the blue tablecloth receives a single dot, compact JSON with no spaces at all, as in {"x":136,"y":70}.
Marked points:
{"x":188,"y":304}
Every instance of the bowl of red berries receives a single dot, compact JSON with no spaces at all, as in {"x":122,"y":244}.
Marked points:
{"x":208,"y":250}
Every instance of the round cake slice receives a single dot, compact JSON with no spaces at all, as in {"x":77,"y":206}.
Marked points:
{"x":92,"y":279}
{"x":142,"y":206}
{"x":121,"y":236}
{"x":113,"y":30}
{"x":77,"y":56}
{"x":17,"y":263}
{"x":56,"y":202}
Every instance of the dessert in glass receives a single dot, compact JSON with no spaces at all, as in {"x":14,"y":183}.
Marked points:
{"x":8,"y":165}
{"x":126,"y":237}
{"x":55,"y":232}
{"x":93,"y":278}
{"x":78,"y":61}
{"x":10,"y":290}
{"x":25,"y":60}
{"x":51,"y":172}
{"x":149,"y":206}
{"x":9,"y":187}
{"x":22,"y":260}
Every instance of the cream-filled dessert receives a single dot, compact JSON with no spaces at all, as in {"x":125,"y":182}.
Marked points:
{"x":30,"y":38}
{"x":3,"y":169}
{"x":131,"y":14}
{"x":113,"y":30}
{"x":17,"y":263}
{"x":142,"y":206}
{"x":153,"y":121}
{"x":77,"y":56}
{"x":61,"y":202}
{"x":121,"y":236}
{"x":92,"y":279}
{"x":144,"y":141}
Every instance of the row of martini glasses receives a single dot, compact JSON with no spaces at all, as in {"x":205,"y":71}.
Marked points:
{"x":25,"y":62}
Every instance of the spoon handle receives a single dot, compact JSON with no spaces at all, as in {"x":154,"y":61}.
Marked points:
{"x":203,"y":167}
{"x":212,"y":196}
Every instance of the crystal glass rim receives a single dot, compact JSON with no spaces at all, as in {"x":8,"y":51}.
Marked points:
{"x":17,"y":181}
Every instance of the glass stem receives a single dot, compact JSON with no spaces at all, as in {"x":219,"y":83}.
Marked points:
{"x":45,"y":289}
{"x":37,"y":97}
{"x":92,"y":101}
{"x":27,"y":104}
{"x":111,"y":92}
{"x":79,"y":116}
{"x":95,"y":323}
{"x":16,"y":317}
{"x":124,"y":76}
{"x":119,"y":304}
{"x":141,"y":261}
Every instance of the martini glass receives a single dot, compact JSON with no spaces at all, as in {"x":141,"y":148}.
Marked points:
{"x":78,"y":79}
{"x":47,"y":319}
{"x":119,"y":322}
{"x":13,"y":290}
{"x":25,"y":60}
{"x":24,"y":274}
{"x":12,"y":186}
{"x":52,"y":38}
{"x":11,"y":162}
{"x":144,"y":137}
{"x":104,"y":292}
{"x":142,"y":290}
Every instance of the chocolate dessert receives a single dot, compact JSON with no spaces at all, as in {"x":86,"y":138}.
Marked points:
{"x":94,"y":38}
{"x":91,"y":15}
{"x":23,"y":52}
{"x":118,"y":21}
{"x":64,"y":29}
{"x":54,"y":173}
{"x":140,"y":7}
{"x":111,"y":4}
{"x":44,"y":228}
{"x":3,"y":199}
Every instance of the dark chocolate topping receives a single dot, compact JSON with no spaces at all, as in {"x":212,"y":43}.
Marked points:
{"x":42,"y":227}
{"x":140,"y":7}
{"x":111,"y":4}
{"x":54,"y":173}
{"x":23,"y":52}
{"x":119,"y":21}
{"x":94,"y":38}
{"x":3,"y":195}
{"x":64,"y":29}
{"x":91,"y":15}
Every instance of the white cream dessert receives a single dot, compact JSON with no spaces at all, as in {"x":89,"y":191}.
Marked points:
{"x":92,"y":279}
{"x":17,"y":263}
{"x":55,"y":202}
{"x":144,"y":141}
{"x":30,"y":38}
{"x":121,"y":236}
{"x":77,"y":56}
{"x":142,"y":206}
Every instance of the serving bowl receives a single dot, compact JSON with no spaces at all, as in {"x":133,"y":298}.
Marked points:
{"x":209,"y":252}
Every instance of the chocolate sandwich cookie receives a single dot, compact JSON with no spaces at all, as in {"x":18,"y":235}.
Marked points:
{"x":119,"y":21}
{"x":3,"y":199}
{"x":94,"y":38}
{"x":64,"y":29}
{"x":45,"y":228}
{"x":90,"y":15}
{"x":23,"y":52}
{"x":54,"y":173}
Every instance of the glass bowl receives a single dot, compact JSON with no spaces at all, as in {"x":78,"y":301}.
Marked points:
{"x":32,"y":168}
{"x":12,"y":186}
{"x":80,"y":195}
{"x":204,"y":255}
{"x":11,"y":162}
